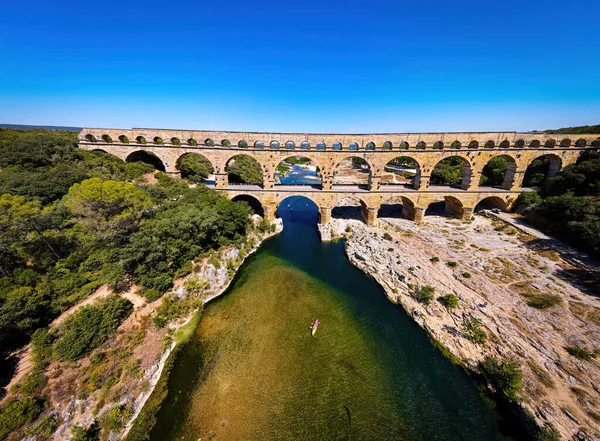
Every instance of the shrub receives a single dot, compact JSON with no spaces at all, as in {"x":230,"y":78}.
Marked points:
{"x":115,"y":418}
{"x":525,"y":201}
{"x":16,"y":413}
{"x":92,"y":433}
{"x":424,"y":294}
{"x":542,"y":301}
{"x":548,"y":433}
{"x":434,"y":259}
{"x":348,"y":229}
{"x":90,"y":326}
{"x":45,"y":427}
{"x":390,"y":250}
{"x":466,"y":275}
{"x":387,"y":236}
{"x":450,"y":301}
{"x":472,"y":328}
{"x":581,"y":353}
{"x":452,"y":264}
{"x":504,"y":376}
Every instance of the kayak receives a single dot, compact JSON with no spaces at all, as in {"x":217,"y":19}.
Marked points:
{"x":314,"y":327}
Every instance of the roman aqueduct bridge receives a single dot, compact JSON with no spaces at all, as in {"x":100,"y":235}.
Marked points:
{"x":474,"y":149}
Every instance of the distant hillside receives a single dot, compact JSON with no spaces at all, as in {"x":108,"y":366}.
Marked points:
{"x":577,"y":129}
{"x":27,"y":127}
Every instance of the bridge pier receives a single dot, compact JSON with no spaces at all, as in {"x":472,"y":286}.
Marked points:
{"x":221,"y":180}
{"x":269,"y":211}
{"x":374,"y":182}
{"x":324,"y":215}
{"x":369,"y":215}
{"x":422,"y":183}
{"x":419,"y":214}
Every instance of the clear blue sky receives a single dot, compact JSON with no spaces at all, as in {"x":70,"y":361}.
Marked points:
{"x":351,"y":66}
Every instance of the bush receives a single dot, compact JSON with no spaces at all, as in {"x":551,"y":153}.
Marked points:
{"x":525,"y":201}
{"x":114,"y":420}
{"x":542,"y":301}
{"x":387,"y":236}
{"x":434,"y":259}
{"x":92,"y":433}
{"x":472,"y":328}
{"x":424,"y":294}
{"x":450,"y":301}
{"x":581,"y":353}
{"x":16,"y":413}
{"x":90,"y":326}
{"x":45,"y":427}
{"x":504,"y":376}
{"x":466,"y":275}
{"x":452,"y":264}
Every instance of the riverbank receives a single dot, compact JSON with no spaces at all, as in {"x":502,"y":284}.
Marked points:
{"x":110,"y":386}
{"x":496,"y":277}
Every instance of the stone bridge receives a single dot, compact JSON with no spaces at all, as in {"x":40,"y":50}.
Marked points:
{"x":475,"y":149}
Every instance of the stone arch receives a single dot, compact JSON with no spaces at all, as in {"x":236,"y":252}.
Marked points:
{"x":353,"y":146}
{"x":290,"y":145}
{"x":254,"y":204}
{"x":175,"y":141}
{"x":490,"y":202}
{"x":225,"y":143}
{"x":259,"y":145}
{"x":596,"y":143}
{"x":148,"y":158}
{"x":448,"y":206}
{"x":90,"y":138}
{"x":387,"y":145}
{"x":439,"y":145}
{"x":321,"y":146}
{"x":404,"y":145}
{"x":397,"y":207}
{"x":421,"y":145}
{"x":140,"y":139}
{"x":519,"y":144}
{"x":402,"y":170}
{"x":580,"y":143}
{"x":474,"y":144}
{"x":504,"y":144}
{"x":107,"y":139}
{"x":209,"y":142}
{"x":336,"y":146}
{"x":298,"y":170}
{"x":550,"y":143}
{"x":452,"y":171}
{"x":242,"y":144}
{"x":123,"y":139}
{"x":195,"y":167}
{"x":565,"y":142}
{"x":490,"y":144}
{"x":102,"y":151}
{"x":540,"y":169}
{"x":370,"y":146}
{"x":301,"y":208}
{"x":305,"y":145}
{"x":352,"y":170}
{"x":274,"y":145}
{"x":349,"y":207}
{"x":244,"y":169}
{"x":499,"y":171}
{"x":456,"y":144}
{"x":158,"y":140}
{"x":534,"y":143}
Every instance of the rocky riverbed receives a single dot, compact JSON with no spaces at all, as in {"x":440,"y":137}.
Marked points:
{"x":496,"y":274}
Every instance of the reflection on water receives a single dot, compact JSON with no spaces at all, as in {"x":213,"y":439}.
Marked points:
{"x":252,"y":371}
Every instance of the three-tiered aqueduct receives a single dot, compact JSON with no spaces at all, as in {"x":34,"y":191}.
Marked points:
{"x":328,"y":150}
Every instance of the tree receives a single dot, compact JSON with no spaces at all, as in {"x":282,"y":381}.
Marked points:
{"x":243,"y":169}
{"x":505,"y":376}
{"x":448,"y":171}
{"x":106,"y":210}
{"x":450,"y":301}
{"x":493,"y":171}
{"x":195,"y":167}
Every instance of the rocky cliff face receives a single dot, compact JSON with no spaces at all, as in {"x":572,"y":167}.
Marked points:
{"x":496,"y":277}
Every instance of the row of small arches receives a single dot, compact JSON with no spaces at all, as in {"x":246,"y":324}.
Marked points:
{"x":353,"y":146}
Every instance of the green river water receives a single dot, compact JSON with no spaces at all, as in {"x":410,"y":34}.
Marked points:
{"x":252,"y":370}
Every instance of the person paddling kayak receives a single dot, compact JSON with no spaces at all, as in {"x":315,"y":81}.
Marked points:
{"x":314,"y":327}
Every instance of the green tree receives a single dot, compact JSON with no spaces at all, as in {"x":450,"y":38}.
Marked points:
{"x":16,"y":413}
{"x":195,"y":167}
{"x":448,"y":171}
{"x":493,"y":171}
{"x":243,"y":169}
{"x":505,"y":376}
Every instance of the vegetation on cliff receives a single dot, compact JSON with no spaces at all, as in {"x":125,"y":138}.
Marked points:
{"x":71,"y":221}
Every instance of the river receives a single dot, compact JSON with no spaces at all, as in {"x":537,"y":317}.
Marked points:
{"x":252,"y":370}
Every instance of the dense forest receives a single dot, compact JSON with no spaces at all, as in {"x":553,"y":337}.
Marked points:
{"x":73,"y":220}
{"x":568,"y":205}
{"x":578,"y":129}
